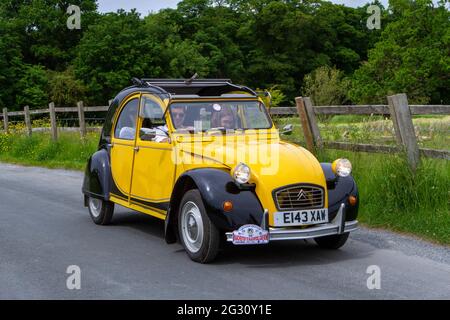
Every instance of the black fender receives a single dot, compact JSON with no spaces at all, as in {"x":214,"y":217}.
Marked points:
{"x":97,"y":181}
{"x":339,"y":189}
{"x":215,"y":186}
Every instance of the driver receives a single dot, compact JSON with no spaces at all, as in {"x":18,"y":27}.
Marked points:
{"x":178,"y":115}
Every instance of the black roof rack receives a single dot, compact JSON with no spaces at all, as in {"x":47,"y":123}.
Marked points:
{"x":201,"y":87}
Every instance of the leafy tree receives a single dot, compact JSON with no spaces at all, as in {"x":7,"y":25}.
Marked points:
{"x":41,"y":26}
{"x":259,"y":43}
{"x":277,"y":96}
{"x":111,"y":52}
{"x":10,"y":64}
{"x":33,"y":87}
{"x":413,"y":56}
{"x":326,"y":86}
{"x":64,"y":89}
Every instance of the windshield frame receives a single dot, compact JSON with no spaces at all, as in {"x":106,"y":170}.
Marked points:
{"x":215,"y":100}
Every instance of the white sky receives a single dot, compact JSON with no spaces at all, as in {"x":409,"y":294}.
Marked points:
{"x":145,"y":6}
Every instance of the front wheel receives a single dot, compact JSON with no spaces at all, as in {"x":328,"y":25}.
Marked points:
{"x":199,"y":236}
{"x":332,"y":242}
{"x":101,"y":211}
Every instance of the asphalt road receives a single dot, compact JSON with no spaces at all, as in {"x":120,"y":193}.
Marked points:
{"x":44,"y":228}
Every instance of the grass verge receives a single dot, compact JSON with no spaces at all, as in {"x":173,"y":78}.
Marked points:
{"x":69,"y":152}
{"x":393,"y":197}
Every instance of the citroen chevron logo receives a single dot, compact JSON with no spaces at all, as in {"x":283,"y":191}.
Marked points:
{"x":302,"y":195}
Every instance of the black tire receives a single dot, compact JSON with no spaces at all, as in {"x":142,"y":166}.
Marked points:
{"x":101,"y":211}
{"x":210,"y":243}
{"x":332,"y":242}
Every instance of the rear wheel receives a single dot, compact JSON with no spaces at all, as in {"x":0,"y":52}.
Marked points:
{"x":199,"y":236}
{"x":332,"y":242}
{"x":101,"y":211}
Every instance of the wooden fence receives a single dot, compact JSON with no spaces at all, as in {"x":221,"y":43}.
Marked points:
{"x":80,"y":109}
{"x":397,"y":108}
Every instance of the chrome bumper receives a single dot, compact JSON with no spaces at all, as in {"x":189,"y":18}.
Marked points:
{"x":337,"y":226}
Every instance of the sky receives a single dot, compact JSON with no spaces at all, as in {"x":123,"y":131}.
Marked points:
{"x":146,"y":6}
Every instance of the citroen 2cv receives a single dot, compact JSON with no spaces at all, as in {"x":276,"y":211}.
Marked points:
{"x":205,"y":156}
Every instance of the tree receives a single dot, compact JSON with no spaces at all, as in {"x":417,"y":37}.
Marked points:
{"x":413,"y":56}
{"x":41,"y":26}
{"x":326,"y":86}
{"x":111,"y":52}
{"x":33,"y":88}
{"x":11,"y":65}
{"x":64,"y":89}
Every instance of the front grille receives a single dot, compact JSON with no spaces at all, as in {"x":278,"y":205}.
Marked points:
{"x":299,"y":197}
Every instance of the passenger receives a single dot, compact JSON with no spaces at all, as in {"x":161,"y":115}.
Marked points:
{"x":128,"y":132}
{"x":223,"y":118}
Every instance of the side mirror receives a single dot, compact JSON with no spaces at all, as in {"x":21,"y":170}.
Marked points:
{"x":147,"y":135}
{"x":287,"y":129}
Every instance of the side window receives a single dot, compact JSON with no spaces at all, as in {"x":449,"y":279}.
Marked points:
{"x":153,"y":127}
{"x":255,"y":116}
{"x":152,"y":114}
{"x":126,"y":124}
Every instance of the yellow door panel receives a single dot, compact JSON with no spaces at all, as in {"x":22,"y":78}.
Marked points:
{"x":123,"y":143}
{"x":122,"y":154}
{"x":154,"y":170}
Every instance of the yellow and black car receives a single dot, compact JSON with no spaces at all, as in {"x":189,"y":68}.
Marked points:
{"x":205,"y":156}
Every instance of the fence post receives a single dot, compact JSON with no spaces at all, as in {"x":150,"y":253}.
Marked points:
{"x":301,"y":110}
{"x":51,"y":108}
{"x":404,"y":128}
{"x":82,"y":122}
{"x":5,"y":119}
{"x":26,"y":110}
{"x":313,"y":122}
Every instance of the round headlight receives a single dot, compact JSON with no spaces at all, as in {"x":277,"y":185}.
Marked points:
{"x":342,"y":167}
{"x":241,"y":173}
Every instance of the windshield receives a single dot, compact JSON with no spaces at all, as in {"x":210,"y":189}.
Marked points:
{"x":223,"y":115}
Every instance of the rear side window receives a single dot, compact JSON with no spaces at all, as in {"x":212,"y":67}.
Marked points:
{"x":126,"y":124}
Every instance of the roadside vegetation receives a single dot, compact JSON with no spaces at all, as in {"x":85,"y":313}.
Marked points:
{"x":391,"y":196}
{"x":69,"y":152}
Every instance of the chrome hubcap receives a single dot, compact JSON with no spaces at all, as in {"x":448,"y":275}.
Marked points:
{"x":192,"y":226}
{"x":96,"y":206}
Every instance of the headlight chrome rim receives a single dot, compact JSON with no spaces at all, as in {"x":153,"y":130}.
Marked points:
{"x":342,"y":167}
{"x":242,"y":173}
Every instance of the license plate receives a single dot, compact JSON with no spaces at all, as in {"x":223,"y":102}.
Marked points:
{"x":301,"y":217}
{"x":250,"y":234}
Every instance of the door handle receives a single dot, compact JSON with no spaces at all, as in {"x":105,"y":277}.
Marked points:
{"x":136,"y":149}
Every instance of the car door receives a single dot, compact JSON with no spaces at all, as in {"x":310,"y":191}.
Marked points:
{"x":122,"y":147}
{"x":154,"y":167}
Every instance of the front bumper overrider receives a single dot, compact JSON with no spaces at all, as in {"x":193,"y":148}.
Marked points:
{"x":337,"y":226}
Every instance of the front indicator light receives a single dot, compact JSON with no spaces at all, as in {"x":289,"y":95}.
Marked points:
{"x":227,"y":206}
{"x":352,"y":200}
